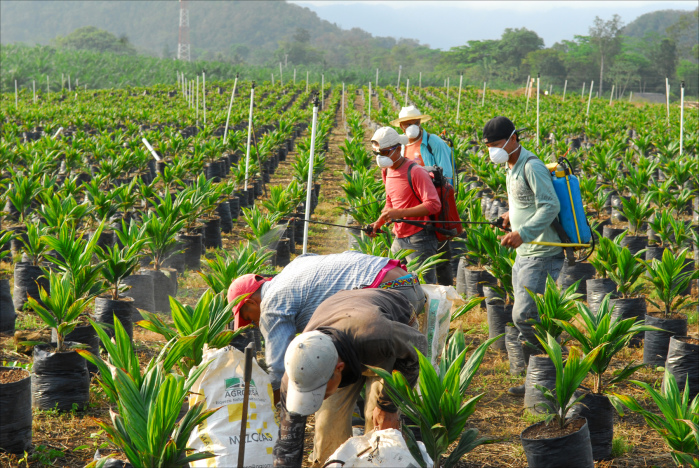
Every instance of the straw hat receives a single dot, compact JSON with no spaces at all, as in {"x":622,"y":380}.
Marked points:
{"x":410,"y":113}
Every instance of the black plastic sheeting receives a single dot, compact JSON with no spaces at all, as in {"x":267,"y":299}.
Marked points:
{"x":59,"y":380}
{"x":234,"y":207}
{"x":571,"y":451}
{"x":27,"y":283}
{"x":654,"y":253}
{"x":192,"y":246}
{"x":283,"y":252}
{"x":596,"y":290}
{"x":16,"y":415}
{"x":580,"y":271}
{"x":634,"y":243}
{"x":540,"y":371}
{"x":515,"y":355}
{"x":224,"y":212}
{"x":475,"y":280}
{"x":627,"y":308}
{"x":164,"y":286}
{"x":176,"y":259}
{"x":499,"y":315}
{"x":599,"y":412}
{"x":683,"y":363}
{"x":212,"y":233}
{"x":655,"y":349}
{"x":106,"y":309}
{"x":84,"y":334}
{"x":141,"y":291}
{"x":7,"y":308}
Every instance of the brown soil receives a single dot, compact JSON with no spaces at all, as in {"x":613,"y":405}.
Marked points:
{"x":552,"y":431}
{"x":12,"y":375}
{"x":688,"y":340}
{"x":661,"y":315}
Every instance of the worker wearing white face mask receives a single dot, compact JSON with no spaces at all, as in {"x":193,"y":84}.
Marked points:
{"x":533,"y":208}
{"x":424,"y":148}
{"x":404,"y":203}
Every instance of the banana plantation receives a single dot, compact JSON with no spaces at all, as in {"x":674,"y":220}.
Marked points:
{"x":127,"y":213}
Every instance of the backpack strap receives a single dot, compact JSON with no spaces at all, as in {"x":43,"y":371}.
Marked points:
{"x":555,"y":224}
{"x":410,"y":179}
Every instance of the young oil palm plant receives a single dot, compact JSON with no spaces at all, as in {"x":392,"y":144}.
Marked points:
{"x":440,"y":407}
{"x":668,"y":281}
{"x":554,"y":306}
{"x":637,"y":210}
{"x":627,"y":270}
{"x":611,"y":336}
{"x":118,"y":263}
{"x":159,"y":234}
{"x":207,"y":320}
{"x":35,"y":246}
{"x":674,"y":409}
{"x":568,"y":379}
{"x":243,"y":259}
{"x":61,"y":308}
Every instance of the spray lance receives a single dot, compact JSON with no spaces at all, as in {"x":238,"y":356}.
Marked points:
{"x":365,"y":229}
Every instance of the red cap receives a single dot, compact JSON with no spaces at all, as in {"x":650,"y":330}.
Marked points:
{"x":243,"y":285}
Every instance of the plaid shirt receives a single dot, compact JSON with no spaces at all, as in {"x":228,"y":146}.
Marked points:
{"x":289,"y":300}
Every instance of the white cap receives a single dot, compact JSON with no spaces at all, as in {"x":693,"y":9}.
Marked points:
{"x":410,"y":113}
{"x":310,"y":361}
{"x":387,"y":137}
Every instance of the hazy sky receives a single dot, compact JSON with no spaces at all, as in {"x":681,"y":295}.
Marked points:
{"x":445,"y":24}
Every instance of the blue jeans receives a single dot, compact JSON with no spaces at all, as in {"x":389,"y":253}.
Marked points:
{"x":531,"y":273}
{"x":424,"y":244}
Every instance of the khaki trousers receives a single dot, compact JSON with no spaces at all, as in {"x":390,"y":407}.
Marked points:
{"x":334,"y":418}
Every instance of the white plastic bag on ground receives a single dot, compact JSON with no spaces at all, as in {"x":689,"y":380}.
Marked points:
{"x":222,"y":385}
{"x":441,"y":302}
{"x":385,"y":448}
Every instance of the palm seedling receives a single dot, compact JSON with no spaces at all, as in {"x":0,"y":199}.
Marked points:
{"x":440,"y":407}
{"x":245,"y":258}
{"x":668,"y":281}
{"x":626,"y":272}
{"x":604,"y":260}
{"x":75,"y":256}
{"x":207,"y":320}
{"x":160,"y":235}
{"x":637,"y":212}
{"x":568,"y":379}
{"x":35,"y":246}
{"x":610,"y":336}
{"x":674,"y":409}
{"x":501,"y":261}
{"x":118,"y":263}
{"x":554,"y":306}
{"x":58,"y":209}
{"x":260,"y":223}
{"x":61,"y":308}
{"x":22,"y":192}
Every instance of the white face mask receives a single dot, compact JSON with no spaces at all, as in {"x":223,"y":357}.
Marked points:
{"x":412,"y":131}
{"x":384,"y":162}
{"x":499,"y":155}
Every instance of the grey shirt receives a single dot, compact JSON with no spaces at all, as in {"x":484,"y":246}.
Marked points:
{"x":533,"y":205}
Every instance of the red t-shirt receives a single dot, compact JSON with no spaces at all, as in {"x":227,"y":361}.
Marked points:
{"x":399,"y":195}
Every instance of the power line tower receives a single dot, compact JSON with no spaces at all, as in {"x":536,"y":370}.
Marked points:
{"x":183,"y":47}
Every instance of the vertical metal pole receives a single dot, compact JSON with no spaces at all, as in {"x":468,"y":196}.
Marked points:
{"x":230,"y":106}
{"x":247,"y":377}
{"x":196,"y":101}
{"x":376,"y":85}
{"x":16,"y":96}
{"x":400,"y":69}
{"x":419,"y":85}
{"x":458,"y":100}
{"x":369,"y":103}
{"x":565,"y":86}
{"x":247,"y":151}
{"x":630,"y":96}
{"x":667,"y":99}
{"x":529,"y":92}
{"x":582,"y":95}
{"x":681,"y":115}
{"x":538,"y":77}
{"x":611,"y":96}
{"x":69,"y":88}
{"x":483,"y":97}
{"x":342,"y":105}
{"x":407,"y":87}
{"x":309,"y":185}
{"x":322,"y":91}
{"x":447,"y":93}
{"x":281,"y":80}
{"x":34,"y":91}
{"x":272,"y":79}
{"x":48,"y":89}
{"x":63,"y":81}
{"x":589,"y":99}
{"x":203,"y":94}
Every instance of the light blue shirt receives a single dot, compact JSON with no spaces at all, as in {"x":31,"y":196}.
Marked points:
{"x":440,"y":155}
{"x":289,"y":300}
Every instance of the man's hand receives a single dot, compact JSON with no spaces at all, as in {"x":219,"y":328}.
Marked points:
{"x":506,"y":219}
{"x":385,"y":420}
{"x":511,"y":240}
{"x":388,"y":214}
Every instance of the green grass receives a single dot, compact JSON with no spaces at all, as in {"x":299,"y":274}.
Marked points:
{"x":620,"y":446}
{"x":532,"y":418}
{"x":28,"y":321}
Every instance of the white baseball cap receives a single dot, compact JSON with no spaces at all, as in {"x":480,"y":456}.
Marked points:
{"x":310,"y":361}
{"x":387,"y":137}
{"x":410,"y":113}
